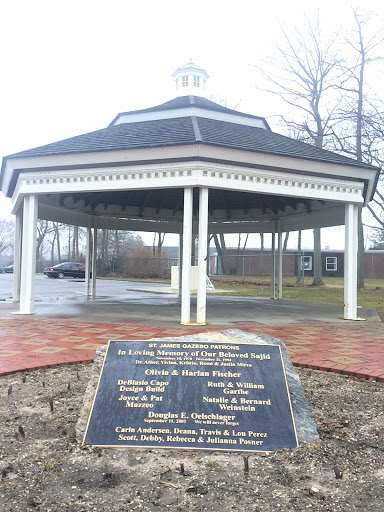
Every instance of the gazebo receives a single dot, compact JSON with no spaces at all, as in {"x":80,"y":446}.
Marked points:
{"x":190,"y":167}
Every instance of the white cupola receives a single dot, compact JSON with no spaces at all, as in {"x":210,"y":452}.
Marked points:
{"x":190,"y":79}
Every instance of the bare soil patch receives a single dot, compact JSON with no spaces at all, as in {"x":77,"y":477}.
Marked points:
{"x":43,"y":468}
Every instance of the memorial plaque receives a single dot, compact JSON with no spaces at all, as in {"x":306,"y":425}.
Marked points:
{"x":207,"y":396}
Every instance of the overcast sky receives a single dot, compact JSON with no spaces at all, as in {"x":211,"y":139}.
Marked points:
{"x":69,"y":67}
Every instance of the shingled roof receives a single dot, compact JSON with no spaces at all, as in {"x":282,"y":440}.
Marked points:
{"x":190,"y":101}
{"x":189,"y":130}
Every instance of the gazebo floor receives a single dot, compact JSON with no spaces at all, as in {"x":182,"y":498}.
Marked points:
{"x":69,"y":332}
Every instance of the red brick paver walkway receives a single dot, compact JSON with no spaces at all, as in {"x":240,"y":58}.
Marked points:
{"x":351,"y":348}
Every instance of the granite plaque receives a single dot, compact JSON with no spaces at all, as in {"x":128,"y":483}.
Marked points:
{"x":206,"y":396}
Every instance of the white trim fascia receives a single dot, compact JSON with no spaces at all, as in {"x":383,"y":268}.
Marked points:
{"x":251,"y":159}
{"x":189,"y":175}
{"x":226,"y":117}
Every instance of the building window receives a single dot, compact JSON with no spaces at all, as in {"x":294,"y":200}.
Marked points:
{"x":306,"y":262}
{"x":196,"y":81}
{"x":185,"y":81}
{"x":331,"y":263}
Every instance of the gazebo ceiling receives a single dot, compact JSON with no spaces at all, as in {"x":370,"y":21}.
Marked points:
{"x":159,"y":200}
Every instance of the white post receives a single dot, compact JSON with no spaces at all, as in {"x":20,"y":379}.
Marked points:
{"x":88,"y":261}
{"x":17,"y":255}
{"x":94,"y":257}
{"x":273,"y":272}
{"x":350,"y":262}
{"x":180,"y":262}
{"x":187,"y":249}
{"x":28,"y":255}
{"x":202,"y":257}
{"x":280,"y":262}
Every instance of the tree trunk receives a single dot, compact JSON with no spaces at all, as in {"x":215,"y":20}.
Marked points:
{"x":75,"y":243}
{"x":104,"y":249}
{"x":53,"y":247}
{"x":224,"y":261}
{"x":58,"y":241}
{"x":298,"y":277}
{"x":261,"y":258}
{"x":69,"y":243}
{"x":220,"y":252}
{"x":160,"y":242}
{"x":317,"y":265}
{"x":360,"y":254}
{"x":285,"y":241}
{"x":240,"y":253}
{"x":117,"y":242}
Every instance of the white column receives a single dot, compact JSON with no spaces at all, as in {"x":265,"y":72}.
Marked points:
{"x":88,"y":261}
{"x":17,"y":255}
{"x":28,"y":255}
{"x":94,"y":257}
{"x":180,"y":262}
{"x":350,"y":262}
{"x":187,"y":249}
{"x":280,"y":263}
{"x":273,"y":270}
{"x":202,"y":257}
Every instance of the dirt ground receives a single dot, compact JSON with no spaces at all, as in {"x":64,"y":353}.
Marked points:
{"x":43,"y":468}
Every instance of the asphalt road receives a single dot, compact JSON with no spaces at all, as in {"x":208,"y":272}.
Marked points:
{"x":47,"y":289}
{"x":154,"y":305}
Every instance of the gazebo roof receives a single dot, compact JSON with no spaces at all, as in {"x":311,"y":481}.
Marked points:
{"x":182,"y":102}
{"x":128,"y":131}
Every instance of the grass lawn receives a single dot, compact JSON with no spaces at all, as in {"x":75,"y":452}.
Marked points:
{"x":333,"y":291}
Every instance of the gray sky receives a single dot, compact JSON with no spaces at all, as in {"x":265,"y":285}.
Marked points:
{"x":69,"y":67}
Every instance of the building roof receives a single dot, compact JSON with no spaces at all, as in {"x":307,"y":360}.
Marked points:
{"x":183,"y":102}
{"x":186,"y":131}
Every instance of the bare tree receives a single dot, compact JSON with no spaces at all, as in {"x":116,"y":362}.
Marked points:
{"x":44,"y":229}
{"x":308,"y":70}
{"x":57,"y":236}
{"x":304,"y":76}
{"x":377,"y":239}
{"x":359,"y":131}
{"x":7,"y":230}
{"x":261,"y":257}
{"x":300,"y":261}
{"x":378,"y":202}
{"x":239,"y":253}
{"x":157,"y":246}
{"x":221,"y":253}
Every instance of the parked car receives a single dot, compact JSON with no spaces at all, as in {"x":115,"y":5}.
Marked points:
{"x":68,"y":269}
{"x":6,"y":270}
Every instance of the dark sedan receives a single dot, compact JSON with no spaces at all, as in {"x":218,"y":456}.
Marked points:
{"x":6,"y":270}
{"x":66,"y":270}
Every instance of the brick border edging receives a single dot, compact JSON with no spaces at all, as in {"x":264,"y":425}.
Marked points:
{"x":342,"y":371}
